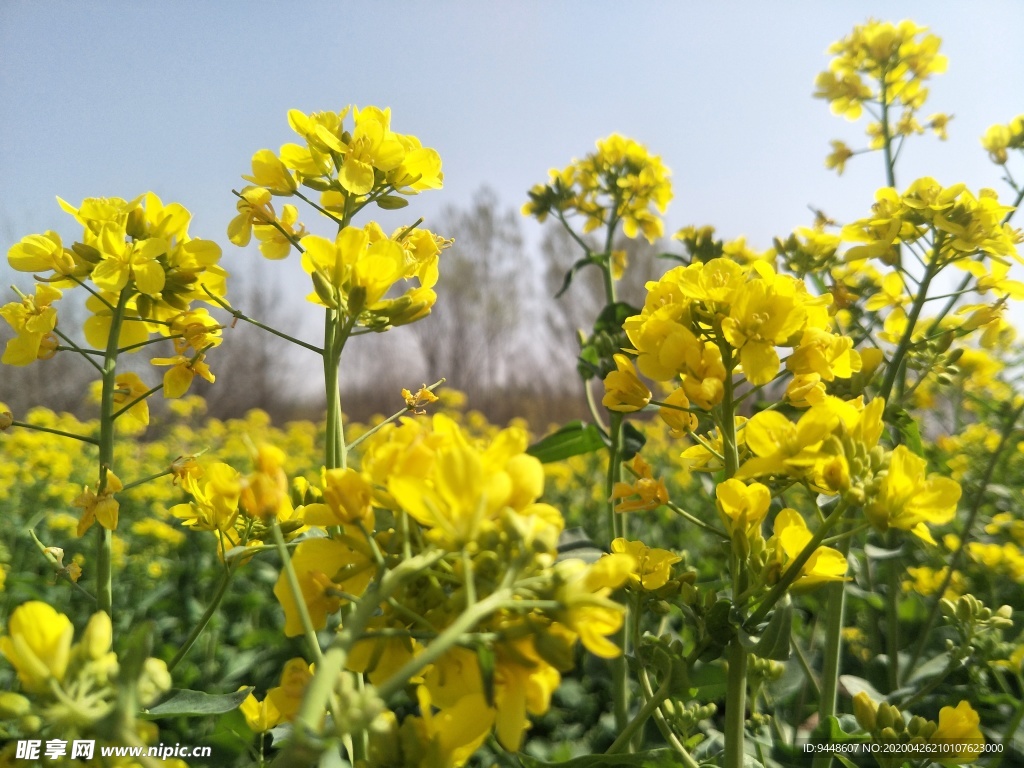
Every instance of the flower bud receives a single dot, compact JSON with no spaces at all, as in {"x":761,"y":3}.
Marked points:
{"x":6,"y":417}
{"x":14,"y":705}
{"x":154,"y":681}
{"x":98,"y":636}
{"x":885,"y":716}
{"x":865,"y":711}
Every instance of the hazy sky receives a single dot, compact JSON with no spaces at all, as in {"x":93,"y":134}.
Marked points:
{"x":112,"y":99}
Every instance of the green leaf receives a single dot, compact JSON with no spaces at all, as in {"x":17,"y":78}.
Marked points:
{"x":574,"y":439}
{"x":632,"y":441}
{"x":185,"y":703}
{"x":904,"y":423}
{"x":392,"y":202}
{"x":613,"y":316}
{"x":655,"y":758}
{"x":855,"y":685}
{"x":572,"y":273}
{"x":774,"y":640}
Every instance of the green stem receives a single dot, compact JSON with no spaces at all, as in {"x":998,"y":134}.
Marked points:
{"x":293,"y":584}
{"x":104,"y":595}
{"x":331,"y":387}
{"x":833,"y":653}
{"x":965,"y":535}
{"x":237,"y":314}
{"x":62,"y":433}
{"x":147,"y":479}
{"x":735,"y":705}
{"x":892,"y":619}
{"x":88,"y":354}
{"x":211,"y":609}
{"x":791,"y":573}
{"x":890,"y":166}
{"x":621,"y":742}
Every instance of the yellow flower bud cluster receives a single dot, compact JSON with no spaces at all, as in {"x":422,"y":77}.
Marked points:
{"x":957,"y":734}
{"x":68,"y":688}
{"x":998,"y":139}
{"x":620,"y":182}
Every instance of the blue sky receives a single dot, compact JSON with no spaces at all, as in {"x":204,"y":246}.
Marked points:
{"x":117,"y":98}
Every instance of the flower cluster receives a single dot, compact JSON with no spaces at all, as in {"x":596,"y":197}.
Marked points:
{"x":147,"y":272}
{"x":697,"y":320}
{"x":69,"y":689}
{"x":882,"y":65}
{"x":620,"y":182}
{"x":957,"y":731}
{"x":998,"y":139}
{"x":350,"y":169}
{"x":473,"y":508}
{"x":880,"y":62}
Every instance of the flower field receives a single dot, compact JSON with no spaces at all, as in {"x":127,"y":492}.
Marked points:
{"x":788,"y":533}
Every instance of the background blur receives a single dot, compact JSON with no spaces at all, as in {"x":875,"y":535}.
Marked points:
{"x":120,"y":98}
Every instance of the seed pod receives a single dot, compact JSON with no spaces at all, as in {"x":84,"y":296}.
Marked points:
{"x":324,"y":290}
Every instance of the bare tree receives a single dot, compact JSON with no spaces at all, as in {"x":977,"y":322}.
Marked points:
{"x":475,"y":336}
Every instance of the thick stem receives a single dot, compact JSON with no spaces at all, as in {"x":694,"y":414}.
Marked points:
{"x":736,"y":705}
{"x":833,"y":652}
{"x":104,"y":595}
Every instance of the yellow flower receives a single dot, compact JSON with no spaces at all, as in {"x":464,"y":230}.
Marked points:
{"x":323,"y":567}
{"x":352,"y":262}
{"x":348,"y":499}
{"x":679,"y":421}
{"x":651,"y":492}
{"x":130,"y":390}
{"x":253,"y":207}
{"x":449,"y":736}
{"x":653,"y":566}
{"x":270,"y":173}
{"x":33,"y":320}
{"x":959,"y":731}
{"x":624,"y":392}
{"x":995,"y":141}
{"x":589,"y":612}
{"x":287,"y":697}
{"x":838,"y":157}
{"x":791,"y":536}
{"x":178,"y":379}
{"x":37,"y":644}
{"x":372,"y":146}
{"x":415,"y":402}
{"x":765,"y":313}
{"x":215,"y":502}
{"x":523,"y":683}
{"x":908,"y":500}
{"x":275,"y":244}
{"x":101,"y":507}
{"x":781,"y":447}
{"x":742,"y":508}
{"x":42,"y":253}
{"x":260,"y":716}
